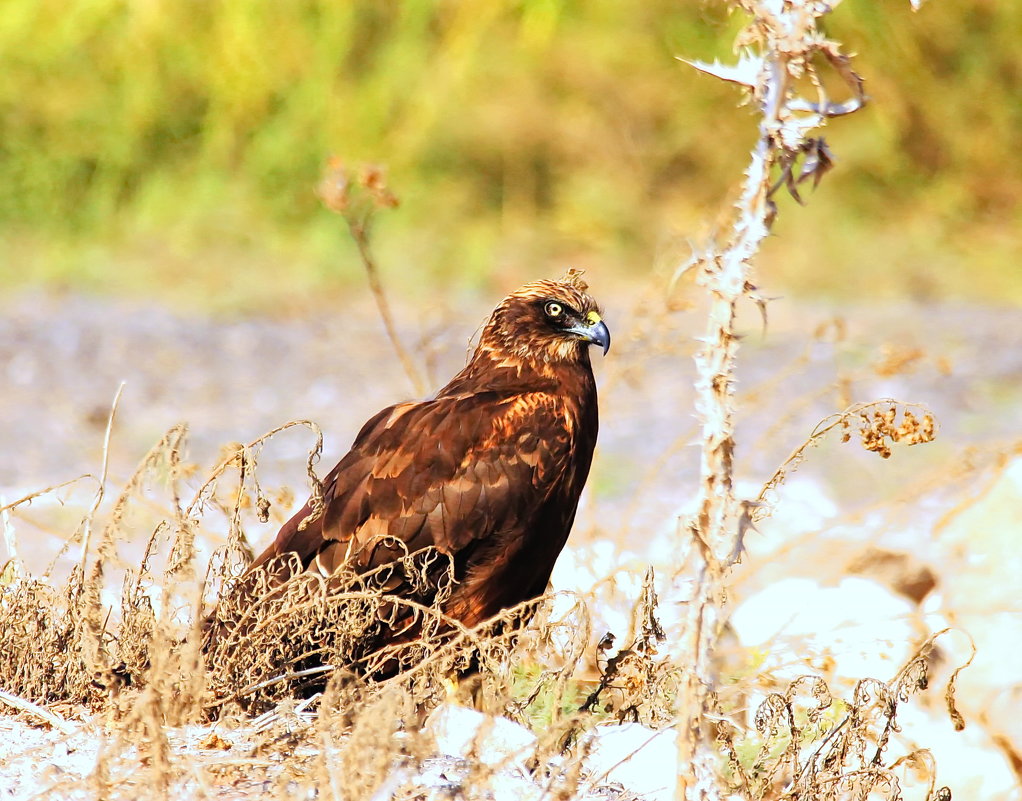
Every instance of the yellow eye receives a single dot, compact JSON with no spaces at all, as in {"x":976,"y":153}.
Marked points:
{"x":554,"y":309}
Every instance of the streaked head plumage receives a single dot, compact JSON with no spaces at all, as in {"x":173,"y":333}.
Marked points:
{"x":547,"y":321}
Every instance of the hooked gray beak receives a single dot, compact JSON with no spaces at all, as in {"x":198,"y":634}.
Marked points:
{"x":596,"y":333}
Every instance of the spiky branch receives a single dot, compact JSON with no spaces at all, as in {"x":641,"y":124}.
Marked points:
{"x":781,"y":54}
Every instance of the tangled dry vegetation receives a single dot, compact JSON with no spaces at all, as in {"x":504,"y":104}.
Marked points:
{"x":115,"y":650}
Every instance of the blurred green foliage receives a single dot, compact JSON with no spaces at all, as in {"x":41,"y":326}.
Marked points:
{"x":174,"y":145}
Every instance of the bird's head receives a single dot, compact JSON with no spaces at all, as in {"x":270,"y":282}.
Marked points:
{"x":546,"y":322}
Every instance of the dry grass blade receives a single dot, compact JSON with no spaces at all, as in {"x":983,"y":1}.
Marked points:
{"x":6,"y":507}
{"x":36,"y":711}
{"x":87,"y":522}
{"x":10,"y":540}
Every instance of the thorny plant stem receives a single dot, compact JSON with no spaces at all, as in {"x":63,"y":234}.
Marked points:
{"x":725,"y":278}
{"x":360,"y":233}
{"x":786,"y":37}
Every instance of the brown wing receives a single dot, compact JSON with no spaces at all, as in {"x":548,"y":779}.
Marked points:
{"x":468,"y":475}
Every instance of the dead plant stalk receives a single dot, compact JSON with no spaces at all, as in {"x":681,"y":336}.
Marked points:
{"x":360,"y":233}
{"x":776,"y":57}
{"x":358,"y":194}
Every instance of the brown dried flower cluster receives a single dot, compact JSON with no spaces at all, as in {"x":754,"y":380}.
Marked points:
{"x":348,"y":190}
{"x":881,"y":429}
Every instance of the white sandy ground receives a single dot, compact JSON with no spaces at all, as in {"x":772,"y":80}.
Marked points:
{"x":38,"y":763}
{"x":625,"y":761}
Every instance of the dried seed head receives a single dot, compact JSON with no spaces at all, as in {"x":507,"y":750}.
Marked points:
{"x":263,"y":504}
{"x":374,"y":178}
{"x":355,"y":192}
{"x":880,"y":430}
{"x":334,"y":186}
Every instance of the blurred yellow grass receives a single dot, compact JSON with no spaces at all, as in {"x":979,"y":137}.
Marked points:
{"x":151,"y":146}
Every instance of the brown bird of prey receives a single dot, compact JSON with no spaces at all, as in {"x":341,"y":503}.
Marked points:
{"x":488,"y":472}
